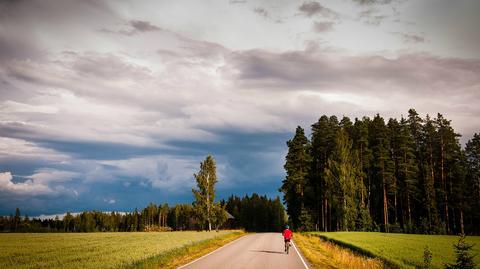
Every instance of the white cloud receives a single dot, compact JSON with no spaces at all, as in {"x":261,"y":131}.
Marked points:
{"x":42,"y":182}
{"x":29,"y":187}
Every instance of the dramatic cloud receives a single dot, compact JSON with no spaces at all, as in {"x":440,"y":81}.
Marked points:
{"x":113,"y":119}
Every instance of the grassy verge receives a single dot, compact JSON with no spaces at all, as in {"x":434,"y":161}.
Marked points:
{"x":324,"y":254}
{"x":402,"y":250}
{"x":180,"y":256}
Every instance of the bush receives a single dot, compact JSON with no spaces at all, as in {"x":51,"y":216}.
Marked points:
{"x":156,"y":228}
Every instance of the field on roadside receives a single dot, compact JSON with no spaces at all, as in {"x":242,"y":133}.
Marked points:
{"x":93,"y":250}
{"x":403,"y":250}
{"x":323,"y":254}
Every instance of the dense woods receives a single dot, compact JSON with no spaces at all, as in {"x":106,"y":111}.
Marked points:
{"x":256,"y":213}
{"x":408,"y":175}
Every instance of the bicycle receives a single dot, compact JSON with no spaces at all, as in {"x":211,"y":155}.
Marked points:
{"x":287,"y":246}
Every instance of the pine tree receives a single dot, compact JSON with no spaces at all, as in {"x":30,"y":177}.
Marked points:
{"x":343,"y":172}
{"x":323,"y":141}
{"x":16,"y":220}
{"x":472,"y":152}
{"x":297,"y":166}
{"x":448,"y":152}
{"x":205,"y":194}
{"x":360,"y":144}
{"x":408,"y":174}
{"x":428,"y":147}
{"x":395,"y":157}
{"x":381,"y":166}
{"x":464,"y":258}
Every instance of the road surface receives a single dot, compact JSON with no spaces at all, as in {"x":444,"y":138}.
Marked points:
{"x":253,"y":251}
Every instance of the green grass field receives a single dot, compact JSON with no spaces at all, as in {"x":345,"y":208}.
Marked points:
{"x":404,"y":250}
{"x":91,"y":250}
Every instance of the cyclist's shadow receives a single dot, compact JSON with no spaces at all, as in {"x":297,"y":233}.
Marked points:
{"x":269,"y":251}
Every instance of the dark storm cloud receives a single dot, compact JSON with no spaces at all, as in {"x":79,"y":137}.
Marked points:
{"x":310,"y":9}
{"x":242,"y":153}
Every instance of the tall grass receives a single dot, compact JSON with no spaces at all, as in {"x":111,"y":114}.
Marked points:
{"x":93,"y":250}
{"x":323,"y":254}
{"x":402,"y":250}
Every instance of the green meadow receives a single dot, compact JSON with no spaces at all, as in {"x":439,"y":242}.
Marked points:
{"x":403,"y":250}
{"x":93,"y":250}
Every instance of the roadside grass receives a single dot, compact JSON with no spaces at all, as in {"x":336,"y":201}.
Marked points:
{"x":103,"y":250}
{"x":180,"y":256}
{"x":324,"y":254}
{"x":402,"y":250}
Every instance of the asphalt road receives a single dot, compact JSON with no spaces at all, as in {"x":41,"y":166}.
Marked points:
{"x":253,"y":251}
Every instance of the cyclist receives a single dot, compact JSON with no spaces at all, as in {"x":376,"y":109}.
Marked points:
{"x":287,"y":236}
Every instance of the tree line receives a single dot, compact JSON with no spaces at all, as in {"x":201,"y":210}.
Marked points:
{"x":256,"y":213}
{"x":409,"y":175}
{"x":151,"y":218}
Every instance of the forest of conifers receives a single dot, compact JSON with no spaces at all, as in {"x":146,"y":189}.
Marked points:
{"x":252,"y":213}
{"x":409,"y":175}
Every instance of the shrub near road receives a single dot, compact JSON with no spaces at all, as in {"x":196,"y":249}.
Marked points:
{"x":404,"y":250}
{"x":93,"y":250}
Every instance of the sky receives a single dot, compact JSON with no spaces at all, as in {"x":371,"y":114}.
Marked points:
{"x":110,"y":105}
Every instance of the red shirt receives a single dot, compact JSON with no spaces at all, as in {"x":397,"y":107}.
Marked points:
{"x":287,"y":234}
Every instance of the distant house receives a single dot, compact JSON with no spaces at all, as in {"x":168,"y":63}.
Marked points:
{"x":230,"y":223}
